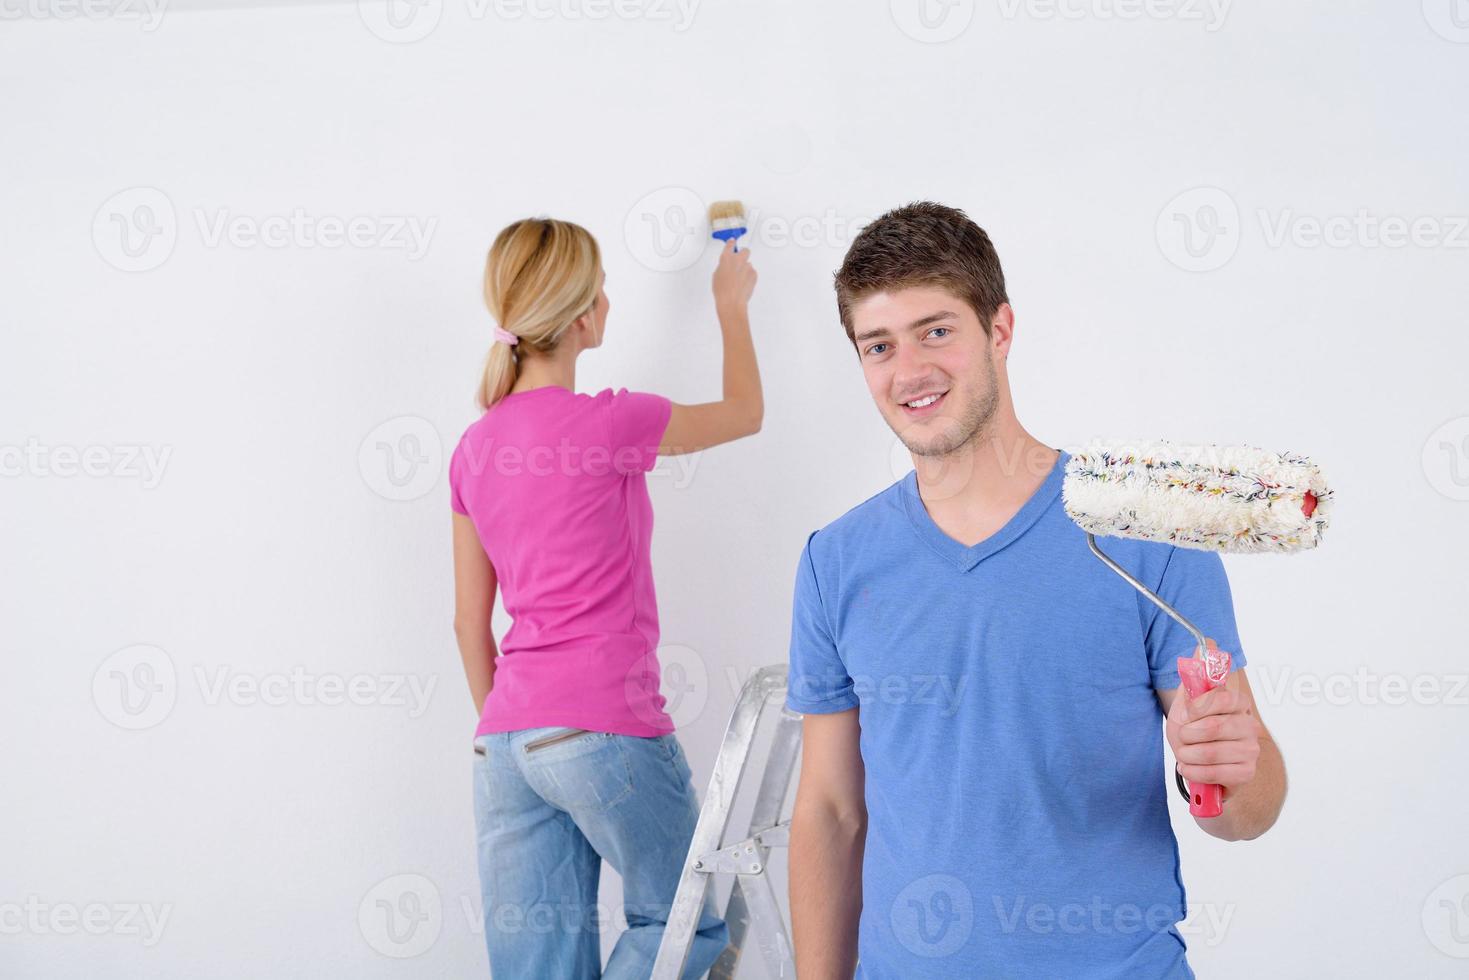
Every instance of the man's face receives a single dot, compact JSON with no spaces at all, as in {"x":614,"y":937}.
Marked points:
{"x":928,"y":364}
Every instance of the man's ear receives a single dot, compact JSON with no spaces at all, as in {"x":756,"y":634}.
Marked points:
{"x":1002,"y":329}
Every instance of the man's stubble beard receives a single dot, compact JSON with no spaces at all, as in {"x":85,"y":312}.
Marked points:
{"x":970,"y":428}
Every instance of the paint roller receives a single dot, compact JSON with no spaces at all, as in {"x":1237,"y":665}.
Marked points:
{"x":1236,"y":499}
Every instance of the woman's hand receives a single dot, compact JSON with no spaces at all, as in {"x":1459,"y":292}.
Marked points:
{"x":734,"y":280}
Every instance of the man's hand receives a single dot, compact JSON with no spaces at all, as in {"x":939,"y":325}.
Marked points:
{"x":1220,"y":738}
{"x":1215,"y":737}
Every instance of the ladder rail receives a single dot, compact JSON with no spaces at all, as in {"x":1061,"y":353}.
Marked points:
{"x":752,"y":902}
{"x":769,"y":804}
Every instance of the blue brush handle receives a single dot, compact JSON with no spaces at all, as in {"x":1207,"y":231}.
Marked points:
{"x":725,"y":234}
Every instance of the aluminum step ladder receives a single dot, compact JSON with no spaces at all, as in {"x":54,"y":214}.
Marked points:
{"x":752,"y":903}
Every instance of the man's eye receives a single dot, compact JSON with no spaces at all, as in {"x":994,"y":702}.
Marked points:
{"x":935,"y":330}
{"x":874,"y":348}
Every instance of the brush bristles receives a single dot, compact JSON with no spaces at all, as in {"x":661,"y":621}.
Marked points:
{"x":1214,"y":498}
{"x":726,"y":214}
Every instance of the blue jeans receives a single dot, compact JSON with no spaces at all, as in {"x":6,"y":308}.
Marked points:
{"x":548,"y":816}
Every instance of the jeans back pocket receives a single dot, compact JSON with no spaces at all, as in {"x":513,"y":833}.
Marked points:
{"x":555,"y":738}
{"x":585,"y":771}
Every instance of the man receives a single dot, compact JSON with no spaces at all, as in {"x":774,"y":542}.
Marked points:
{"x":982,"y":789}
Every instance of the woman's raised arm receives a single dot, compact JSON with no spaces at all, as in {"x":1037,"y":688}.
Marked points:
{"x":740,"y":411}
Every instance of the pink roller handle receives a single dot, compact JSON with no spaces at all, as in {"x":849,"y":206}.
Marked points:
{"x":1205,"y":799}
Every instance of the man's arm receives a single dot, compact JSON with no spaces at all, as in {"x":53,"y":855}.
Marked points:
{"x":828,"y":834}
{"x":1220,"y":738}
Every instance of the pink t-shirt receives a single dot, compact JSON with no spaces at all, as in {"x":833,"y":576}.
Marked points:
{"x":555,"y":484}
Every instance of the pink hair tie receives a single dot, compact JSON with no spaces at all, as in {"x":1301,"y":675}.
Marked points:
{"x":506,"y":337}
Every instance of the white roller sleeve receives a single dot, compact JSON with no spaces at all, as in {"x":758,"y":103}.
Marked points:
{"x":1214,"y":498}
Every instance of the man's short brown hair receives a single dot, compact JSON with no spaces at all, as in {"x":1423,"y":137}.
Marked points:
{"x":922,"y":244}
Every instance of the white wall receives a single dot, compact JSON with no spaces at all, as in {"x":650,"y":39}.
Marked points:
{"x":269,"y":540}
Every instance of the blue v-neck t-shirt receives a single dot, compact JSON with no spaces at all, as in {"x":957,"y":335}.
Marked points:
{"x":1012,"y":740}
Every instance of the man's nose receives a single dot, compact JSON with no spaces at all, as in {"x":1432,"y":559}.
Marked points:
{"x":911,"y":369}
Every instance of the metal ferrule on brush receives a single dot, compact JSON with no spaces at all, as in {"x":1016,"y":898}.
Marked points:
{"x":727,"y":221}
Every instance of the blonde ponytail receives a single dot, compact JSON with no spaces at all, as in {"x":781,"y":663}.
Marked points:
{"x":541,"y":274}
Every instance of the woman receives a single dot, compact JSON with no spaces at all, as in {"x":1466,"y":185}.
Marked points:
{"x":577,"y":759}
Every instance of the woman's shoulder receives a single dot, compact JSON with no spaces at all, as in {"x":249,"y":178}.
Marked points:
{"x":478,"y":426}
{"x":619,"y":397}
{"x":607,"y":395}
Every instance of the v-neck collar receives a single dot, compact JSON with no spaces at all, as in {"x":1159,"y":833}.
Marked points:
{"x":966,"y":557}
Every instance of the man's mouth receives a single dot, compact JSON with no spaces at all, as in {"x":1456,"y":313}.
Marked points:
{"x":924,"y":404}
